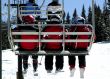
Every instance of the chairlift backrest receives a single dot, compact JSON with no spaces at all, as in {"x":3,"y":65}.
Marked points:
{"x":29,"y":8}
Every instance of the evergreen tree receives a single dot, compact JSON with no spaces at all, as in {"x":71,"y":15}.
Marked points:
{"x":75,"y":13}
{"x":64,"y":14}
{"x":68,"y":18}
{"x":102,"y":29}
{"x":83,"y":12}
{"x":74,"y":16}
{"x":106,"y":17}
{"x":89,"y":20}
{"x":5,"y":43}
{"x":98,"y":26}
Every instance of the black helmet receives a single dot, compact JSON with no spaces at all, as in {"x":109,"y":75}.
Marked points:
{"x":32,"y":1}
{"x":55,"y":0}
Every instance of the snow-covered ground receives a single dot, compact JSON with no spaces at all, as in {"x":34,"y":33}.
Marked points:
{"x":98,"y":65}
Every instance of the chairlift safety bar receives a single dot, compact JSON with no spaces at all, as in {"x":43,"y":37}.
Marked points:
{"x":91,"y":40}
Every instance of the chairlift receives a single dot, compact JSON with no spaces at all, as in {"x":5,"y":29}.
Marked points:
{"x":42,"y":34}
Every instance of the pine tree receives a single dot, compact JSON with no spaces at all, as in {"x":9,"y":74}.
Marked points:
{"x":102,"y":28}
{"x":106,"y":17}
{"x":5,"y":43}
{"x":98,"y":24}
{"x":68,"y":18}
{"x":75,"y":13}
{"x":89,"y":20}
{"x":83,"y":12}
{"x":64,"y":14}
{"x":74,"y":16}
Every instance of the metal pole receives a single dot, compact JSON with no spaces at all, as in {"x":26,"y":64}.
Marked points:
{"x":39,"y":26}
{"x":62,"y":11}
{"x":19,"y":73}
{"x":9,"y":27}
{"x":0,"y":46}
{"x":93,"y":14}
{"x":109,"y":19}
{"x":13,"y":2}
{"x":9,"y":23}
{"x":23,"y":1}
{"x":63,"y":26}
{"x":8,"y":16}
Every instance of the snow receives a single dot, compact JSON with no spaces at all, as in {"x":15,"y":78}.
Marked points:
{"x":97,"y":65}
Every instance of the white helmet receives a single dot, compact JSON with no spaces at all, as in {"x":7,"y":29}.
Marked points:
{"x":80,"y":20}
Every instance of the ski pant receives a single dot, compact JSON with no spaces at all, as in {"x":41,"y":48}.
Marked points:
{"x":25,"y":61}
{"x":49,"y":62}
{"x":81,"y":59}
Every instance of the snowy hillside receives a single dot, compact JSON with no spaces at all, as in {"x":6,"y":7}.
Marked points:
{"x":98,"y":66}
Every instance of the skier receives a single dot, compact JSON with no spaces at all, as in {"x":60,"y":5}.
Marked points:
{"x":55,"y":11}
{"x":29,"y":19}
{"x":81,"y":58}
{"x":54,"y":8}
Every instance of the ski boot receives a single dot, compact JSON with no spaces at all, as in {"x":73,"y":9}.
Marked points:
{"x":82,"y":73}
{"x":72,"y":70}
{"x":35,"y":65}
{"x":25,"y":66}
{"x":25,"y":70}
{"x":35,"y":72}
{"x":49,"y":71}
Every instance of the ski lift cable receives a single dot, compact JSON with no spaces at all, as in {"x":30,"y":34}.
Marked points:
{"x":42,"y":4}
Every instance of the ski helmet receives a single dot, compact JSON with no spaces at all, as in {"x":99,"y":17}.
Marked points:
{"x":32,"y":1}
{"x":55,"y":0}
{"x":80,"y":20}
{"x":28,"y":19}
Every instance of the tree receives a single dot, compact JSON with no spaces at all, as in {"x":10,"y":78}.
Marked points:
{"x":89,"y":20}
{"x":98,"y":28}
{"x":106,"y":17}
{"x":68,"y":18}
{"x":64,"y":14}
{"x":75,"y":13}
{"x":83,"y":12}
{"x":5,"y":43}
{"x":101,"y":24}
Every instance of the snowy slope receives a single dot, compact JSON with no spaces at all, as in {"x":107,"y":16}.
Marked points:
{"x":98,"y":66}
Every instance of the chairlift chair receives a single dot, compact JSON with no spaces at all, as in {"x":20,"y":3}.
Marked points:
{"x":41,"y":33}
{"x":45,"y":34}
